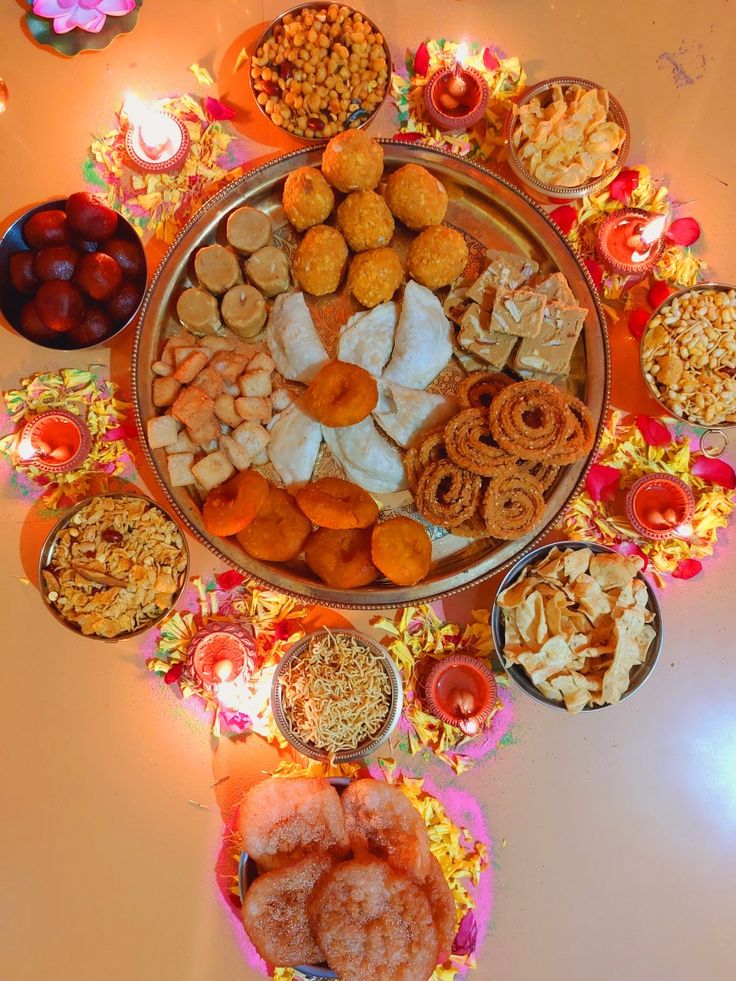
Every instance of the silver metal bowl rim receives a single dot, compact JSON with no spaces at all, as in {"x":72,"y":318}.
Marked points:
{"x":47,"y":551}
{"x":517,"y":673}
{"x":697,"y":288}
{"x":59,"y":203}
{"x":440,"y":593}
{"x":265,"y":36}
{"x":616,"y":110}
{"x":392,"y":718}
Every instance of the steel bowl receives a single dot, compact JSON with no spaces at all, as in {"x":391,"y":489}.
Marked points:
{"x":541,"y":90}
{"x":11,"y":301}
{"x":248,"y":873}
{"x":653,"y":391}
{"x":367,"y":747}
{"x":519,"y":676}
{"x":268,"y":34}
{"x":47,"y":552}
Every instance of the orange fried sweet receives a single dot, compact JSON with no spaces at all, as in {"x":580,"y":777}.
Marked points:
{"x":279,"y":530}
{"x":402,"y":550}
{"x":341,"y":557}
{"x":332,"y":502}
{"x":232,"y":506}
{"x":341,"y":394}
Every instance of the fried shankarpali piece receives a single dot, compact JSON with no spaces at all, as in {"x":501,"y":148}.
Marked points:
{"x":373,"y":922}
{"x":275,"y":913}
{"x":381,"y":821}
{"x":444,"y":911}
{"x":283,"y":820}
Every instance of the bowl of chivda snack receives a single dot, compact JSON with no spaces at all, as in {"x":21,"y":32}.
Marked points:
{"x":577,"y":626}
{"x":336,"y":695}
{"x":566,"y":137}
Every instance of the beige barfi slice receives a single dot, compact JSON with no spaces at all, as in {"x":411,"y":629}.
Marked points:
{"x":551,"y":349}
{"x":476,"y":336}
{"x":518,"y":312}
{"x":505,"y":269}
{"x":555,"y":287}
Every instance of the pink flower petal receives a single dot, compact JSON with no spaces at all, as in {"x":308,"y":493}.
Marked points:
{"x":602,"y":482}
{"x":229,"y":579}
{"x":421,"y":60}
{"x":658,"y":294}
{"x":49,"y":8}
{"x":216,"y":109}
{"x":490,"y":61}
{"x":596,"y":272}
{"x":638,"y":319}
{"x":631,"y":548}
{"x":714,"y":472}
{"x":684,"y":231}
{"x":565,"y":217}
{"x":115,"y":8}
{"x":623,"y":185}
{"x":655,"y":433}
{"x":687,"y":568}
{"x":466,"y":938}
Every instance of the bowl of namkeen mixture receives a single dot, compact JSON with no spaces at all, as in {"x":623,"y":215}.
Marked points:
{"x":577,"y":626}
{"x":336,"y":695}
{"x":114,"y":566}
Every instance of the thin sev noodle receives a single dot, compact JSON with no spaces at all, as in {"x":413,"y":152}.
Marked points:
{"x":336,"y":694}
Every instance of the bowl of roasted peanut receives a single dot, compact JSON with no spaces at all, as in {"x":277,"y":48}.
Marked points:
{"x":320,"y":69}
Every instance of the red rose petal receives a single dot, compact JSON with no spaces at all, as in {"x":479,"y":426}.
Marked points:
{"x":229,"y":579}
{"x":421,"y":60}
{"x":655,"y":433}
{"x":631,"y":548}
{"x":714,"y":472}
{"x":684,"y":231}
{"x":687,"y":568}
{"x":490,"y":61}
{"x":658,"y":293}
{"x":565,"y":217}
{"x":407,"y":137}
{"x":623,"y":185}
{"x":602,"y":482}
{"x":638,"y":320}
{"x":217,"y":110}
{"x":174,"y":673}
{"x":596,"y":271}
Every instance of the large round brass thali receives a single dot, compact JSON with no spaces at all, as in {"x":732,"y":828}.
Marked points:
{"x":491,"y":213}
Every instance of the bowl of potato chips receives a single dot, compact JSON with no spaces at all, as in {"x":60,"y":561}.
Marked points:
{"x":567,"y":137}
{"x":577,"y":626}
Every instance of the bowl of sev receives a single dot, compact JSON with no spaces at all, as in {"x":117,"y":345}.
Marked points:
{"x":336,"y":695}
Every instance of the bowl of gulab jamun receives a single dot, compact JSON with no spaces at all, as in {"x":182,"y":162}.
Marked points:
{"x":72,"y":273}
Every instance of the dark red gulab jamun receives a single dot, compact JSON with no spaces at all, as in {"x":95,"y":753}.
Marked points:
{"x":32,"y":326}
{"x":22,"y":276}
{"x":60,"y":305}
{"x":124,"y":304}
{"x":89,"y":217}
{"x":46,"y":228}
{"x":98,"y":275}
{"x":55,"y":262}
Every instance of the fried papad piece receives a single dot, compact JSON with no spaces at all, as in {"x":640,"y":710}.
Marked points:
{"x":372,"y":922}
{"x":275,"y":913}
{"x":444,"y":911}
{"x":283,"y":820}
{"x":381,"y":821}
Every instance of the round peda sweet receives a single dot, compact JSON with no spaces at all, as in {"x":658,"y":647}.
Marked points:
{"x":307,"y":199}
{"x":416,"y":197}
{"x":248,"y":230}
{"x":353,"y":161}
{"x":198,"y":310}
{"x":437,"y":256}
{"x":244,"y":310}
{"x":268,"y":269}
{"x":320,"y":260}
{"x":365,"y":221}
{"x":375,"y":276}
{"x":217,"y":268}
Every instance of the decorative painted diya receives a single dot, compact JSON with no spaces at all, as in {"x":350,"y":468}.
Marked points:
{"x":660,"y":506}
{"x":156,"y":142}
{"x":461,"y":691}
{"x":56,"y":441}
{"x":456,"y":98}
{"x":222,"y":652}
{"x":631,"y":241}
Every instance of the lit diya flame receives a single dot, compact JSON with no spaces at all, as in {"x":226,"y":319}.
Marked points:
{"x":156,"y":141}
{"x":646,"y":236}
{"x":631,"y":241}
{"x":659,"y":506}
{"x":456,"y":96}
{"x":222,"y":652}
{"x":56,"y":440}
{"x":461,"y":691}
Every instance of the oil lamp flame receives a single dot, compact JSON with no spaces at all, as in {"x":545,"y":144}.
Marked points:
{"x":653,"y":229}
{"x":460,"y":55}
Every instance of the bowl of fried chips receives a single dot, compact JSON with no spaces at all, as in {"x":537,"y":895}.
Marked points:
{"x":567,"y":137}
{"x":577,"y":626}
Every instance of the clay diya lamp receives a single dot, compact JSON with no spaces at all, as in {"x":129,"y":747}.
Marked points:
{"x":659,"y":506}
{"x":55,"y":441}
{"x":222,"y":652}
{"x":461,"y":691}
{"x":156,"y":142}
{"x":631,"y":241}
{"x":456,"y":98}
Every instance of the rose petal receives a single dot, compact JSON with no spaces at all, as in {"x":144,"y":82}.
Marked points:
{"x":684,"y":231}
{"x":602,"y":482}
{"x":658,"y":293}
{"x":217,"y":110}
{"x":596,"y":271}
{"x":174,"y":673}
{"x":565,"y":217}
{"x":421,"y":60}
{"x":687,"y":568}
{"x":230,"y":579}
{"x":623,"y":185}
{"x":490,"y":61}
{"x":655,"y":433}
{"x":638,"y":319}
{"x":407,"y":137}
{"x":714,"y":472}
{"x":466,"y":937}
{"x":631,"y":548}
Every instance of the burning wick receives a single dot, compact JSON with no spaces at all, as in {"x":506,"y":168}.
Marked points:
{"x":457,"y":87}
{"x":155,"y":137}
{"x":647,"y":235}
{"x":223,"y":669}
{"x":462,"y":702}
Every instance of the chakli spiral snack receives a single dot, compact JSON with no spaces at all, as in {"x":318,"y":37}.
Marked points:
{"x":529,"y":420}
{"x":512,"y":505}
{"x":478,"y":389}
{"x":447,"y":495}
{"x":545,"y":474}
{"x":470,"y":444}
{"x":430,"y":449}
{"x":579,"y":435}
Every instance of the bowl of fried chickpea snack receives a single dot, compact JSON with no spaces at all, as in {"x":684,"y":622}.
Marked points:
{"x":320,"y":69}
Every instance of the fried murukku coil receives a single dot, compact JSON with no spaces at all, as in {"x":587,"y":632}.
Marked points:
{"x":447,"y":495}
{"x":470,"y":444}
{"x":430,"y":449}
{"x":545,"y":474}
{"x":478,"y":389}
{"x":579,"y":433}
{"x":529,"y":420}
{"x":512,"y":505}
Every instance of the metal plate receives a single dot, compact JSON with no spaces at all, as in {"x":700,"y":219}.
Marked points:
{"x":492,"y":214}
